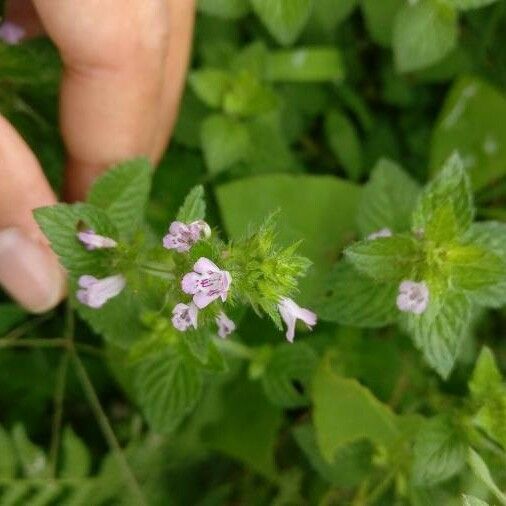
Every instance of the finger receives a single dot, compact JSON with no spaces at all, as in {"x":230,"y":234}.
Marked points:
{"x":29,"y":271}
{"x":181,"y":21}
{"x":112,"y":51}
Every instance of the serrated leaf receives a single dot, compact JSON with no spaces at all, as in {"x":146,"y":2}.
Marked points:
{"x":304,"y":65}
{"x":226,"y":9}
{"x":486,"y":377}
{"x":424,"y":33}
{"x":225,"y":141}
{"x":450,"y":187}
{"x":76,"y":459}
{"x":288,"y":374}
{"x":345,"y":411}
{"x":439,"y":452}
{"x":440,"y":330}
{"x":201,"y":347}
{"x":491,"y":235}
{"x":167,"y":388}
{"x":480,"y":469}
{"x":210,"y":85}
{"x":351,"y":298}
{"x":387,"y":200}
{"x":386,"y":258}
{"x":123,"y":193}
{"x":284,"y":19}
{"x":194,"y":206}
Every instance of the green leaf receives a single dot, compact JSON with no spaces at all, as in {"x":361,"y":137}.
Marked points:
{"x":471,"y":123}
{"x":313,"y":207}
{"x":248,"y":427}
{"x":227,"y":9}
{"x":32,"y":458}
{"x":469,"y":500}
{"x":288,"y":373}
{"x":424,"y":33}
{"x":343,"y":139}
{"x":330,"y":13}
{"x":385,"y":258}
{"x":480,"y":469}
{"x":366,"y":304}
{"x":305,"y":65}
{"x":345,"y":411}
{"x":123,"y":193}
{"x":76,"y":462}
{"x":388,"y":199}
{"x":10,"y":316}
{"x":486,"y":377}
{"x":194,"y":206}
{"x":440,"y":330}
{"x":167,"y":388}
{"x":284,"y":19}
{"x":380,"y":19}
{"x":439,"y":452}
{"x":450,"y":188}
{"x":225,"y":142}
{"x":442,"y":228}
{"x":8,"y":461}
{"x":491,"y":417}
{"x":210,"y":85}
{"x":469,"y":4}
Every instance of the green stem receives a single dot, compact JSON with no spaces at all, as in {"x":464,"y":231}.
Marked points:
{"x":25,"y":327}
{"x":156,"y":270}
{"x":235,"y":349}
{"x":106,"y":428}
{"x":33,"y":343}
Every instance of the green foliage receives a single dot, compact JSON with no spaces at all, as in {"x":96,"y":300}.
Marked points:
{"x":194,"y":206}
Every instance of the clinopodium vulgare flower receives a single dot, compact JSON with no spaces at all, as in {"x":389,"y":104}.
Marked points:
{"x":182,"y":237}
{"x":184,"y":316}
{"x":225,"y":325}
{"x":92,"y":241}
{"x":95,"y":292}
{"x":291,"y":312}
{"x":413,"y":297}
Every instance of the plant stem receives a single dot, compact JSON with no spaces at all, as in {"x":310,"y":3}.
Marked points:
{"x":25,"y":327}
{"x":106,"y":428}
{"x":33,"y":343}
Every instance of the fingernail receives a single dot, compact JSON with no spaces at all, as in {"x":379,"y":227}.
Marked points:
{"x":29,"y":271}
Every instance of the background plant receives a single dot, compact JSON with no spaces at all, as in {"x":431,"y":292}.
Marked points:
{"x":341,"y":117}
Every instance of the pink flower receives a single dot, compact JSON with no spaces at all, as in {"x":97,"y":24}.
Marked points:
{"x":206,"y":283}
{"x":182,"y":237}
{"x":184,"y":316}
{"x":92,"y":241}
{"x":291,"y":312}
{"x":384,"y":232}
{"x":413,"y":297}
{"x":96,"y":292}
{"x":11,"y":33}
{"x":225,"y":325}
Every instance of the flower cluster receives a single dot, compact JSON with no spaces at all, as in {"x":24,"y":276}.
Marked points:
{"x":205,"y":283}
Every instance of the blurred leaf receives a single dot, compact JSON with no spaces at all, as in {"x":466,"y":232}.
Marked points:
{"x":469,"y":500}
{"x":10,"y":316}
{"x":305,"y":64}
{"x":284,"y":19}
{"x":210,"y":85}
{"x":345,"y":411}
{"x":8,"y":461}
{"x":424,"y":33}
{"x":380,"y":18}
{"x":486,"y":376}
{"x":76,"y":457}
{"x":228,"y":9}
{"x":330,"y":13}
{"x":480,"y":469}
{"x":471,"y":122}
{"x":32,"y":458}
{"x":469,"y":4}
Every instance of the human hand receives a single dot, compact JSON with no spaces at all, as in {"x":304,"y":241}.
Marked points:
{"x":124,"y":67}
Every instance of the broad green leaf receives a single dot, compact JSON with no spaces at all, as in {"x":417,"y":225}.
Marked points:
{"x":480,"y":469}
{"x":288,"y":374}
{"x":305,"y":64}
{"x":345,"y":411}
{"x":10,"y":316}
{"x":351,"y":462}
{"x":451,"y":187}
{"x":247,"y":428}
{"x":227,"y":9}
{"x":440,"y":330}
{"x":491,"y":417}
{"x":380,"y":19}
{"x":486,"y":376}
{"x":471,"y":123}
{"x":469,"y":4}
{"x":8,"y":460}
{"x":388,"y":199}
{"x":469,"y":500}
{"x":225,"y":142}
{"x":329,"y":13}
{"x":123,"y":193}
{"x":33,"y":460}
{"x":202,"y":348}
{"x":284,"y":19}
{"x":167,"y":388}
{"x":351,"y":298}
{"x":210,"y":85}
{"x":76,"y":459}
{"x":439,"y":452}
{"x":424,"y":33}
{"x":194,"y":206}
{"x":315,"y":208}
{"x":343,"y":139}
{"x":385,"y":258}
{"x":442,"y":228}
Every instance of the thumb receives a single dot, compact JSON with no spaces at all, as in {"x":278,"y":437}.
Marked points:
{"x":29,"y":270}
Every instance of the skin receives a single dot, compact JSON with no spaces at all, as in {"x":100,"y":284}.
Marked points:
{"x":124,"y":68}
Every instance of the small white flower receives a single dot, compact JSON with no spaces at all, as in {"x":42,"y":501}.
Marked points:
{"x":413,"y":297}
{"x":290,"y":311}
